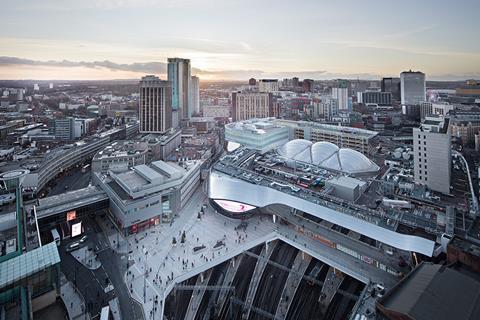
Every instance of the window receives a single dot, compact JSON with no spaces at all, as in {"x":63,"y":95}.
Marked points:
{"x":419,"y":148}
{"x":425,"y":178}
{"x":424,"y":142}
{"x":424,"y":148}
{"x":420,"y":171}
{"x":425,"y":155}
{"x":419,"y":165}
{"x":419,"y":154}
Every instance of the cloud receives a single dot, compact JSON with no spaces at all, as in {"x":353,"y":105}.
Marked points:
{"x":145,"y":67}
{"x":155,"y":68}
{"x":138,"y":69}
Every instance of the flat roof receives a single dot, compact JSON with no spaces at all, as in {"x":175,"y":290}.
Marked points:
{"x":433,"y":291}
{"x":27,"y":264}
{"x":328,"y":127}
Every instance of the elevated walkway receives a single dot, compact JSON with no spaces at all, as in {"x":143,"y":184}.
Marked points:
{"x":227,"y":281}
{"x":332,"y":283}
{"x":302,"y":260}
{"x":266,"y":253}
{"x":197,"y":295}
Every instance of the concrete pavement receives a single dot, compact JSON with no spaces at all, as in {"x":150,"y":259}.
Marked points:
{"x":72,"y":299}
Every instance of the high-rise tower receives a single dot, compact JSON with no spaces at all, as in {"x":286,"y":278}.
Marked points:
{"x":179,"y":74}
{"x":155,"y":107}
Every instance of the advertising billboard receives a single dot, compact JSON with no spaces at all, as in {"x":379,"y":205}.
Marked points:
{"x":71,"y":215}
{"x":76,"y":229}
{"x":233,"y":206}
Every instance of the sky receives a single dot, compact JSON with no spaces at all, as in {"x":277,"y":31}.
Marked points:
{"x":239,"y":39}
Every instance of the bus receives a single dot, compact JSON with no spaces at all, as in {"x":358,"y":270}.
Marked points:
{"x":55,"y":236}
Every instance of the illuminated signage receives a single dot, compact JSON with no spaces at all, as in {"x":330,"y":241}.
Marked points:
{"x":76,"y":229}
{"x":233,"y":206}
{"x":71,"y":215}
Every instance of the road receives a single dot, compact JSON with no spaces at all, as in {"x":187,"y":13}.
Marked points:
{"x":73,"y":180}
{"x":91,"y":283}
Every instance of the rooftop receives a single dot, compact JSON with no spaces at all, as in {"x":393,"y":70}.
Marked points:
{"x":27,"y":264}
{"x":328,"y":127}
{"x":434,"y":291}
{"x":327,"y":155}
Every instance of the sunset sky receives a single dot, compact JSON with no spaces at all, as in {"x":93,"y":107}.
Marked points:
{"x":238,"y":39}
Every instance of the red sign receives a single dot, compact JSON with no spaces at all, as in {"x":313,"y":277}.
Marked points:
{"x":71,"y":215}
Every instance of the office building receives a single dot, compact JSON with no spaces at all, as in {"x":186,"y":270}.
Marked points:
{"x":248,"y":105}
{"x":441,"y":109}
{"x":340,"y":93}
{"x":413,"y":87}
{"x":155,"y":107}
{"x":179,"y":75}
{"x":195,"y":95}
{"x":432,"y":153}
{"x":65,"y":129}
{"x":268,"y":85}
{"x":375,"y":98}
{"x":465,"y":125}
{"x":391,"y":85}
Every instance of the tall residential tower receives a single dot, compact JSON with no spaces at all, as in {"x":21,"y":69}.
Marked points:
{"x":195,"y":95}
{"x":179,"y":74}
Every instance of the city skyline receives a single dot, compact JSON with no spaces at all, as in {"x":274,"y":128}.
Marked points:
{"x":55,"y":40}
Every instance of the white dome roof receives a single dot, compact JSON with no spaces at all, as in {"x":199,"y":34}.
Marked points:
{"x":321,"y":151}
{"x":293,"y":148}
{"x":327,"y":155}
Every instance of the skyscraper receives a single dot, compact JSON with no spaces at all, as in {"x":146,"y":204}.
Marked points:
{"x":391,"y":85}
{"x":179,"y":74}
{"x":412,"y":85}
{"x":195,"y":95}
{"x":155,"y":107}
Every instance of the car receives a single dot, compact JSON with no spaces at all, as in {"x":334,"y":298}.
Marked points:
{"x":73,"y":246}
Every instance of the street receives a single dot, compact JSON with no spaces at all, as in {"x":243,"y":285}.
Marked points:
{"x":92,"y":283}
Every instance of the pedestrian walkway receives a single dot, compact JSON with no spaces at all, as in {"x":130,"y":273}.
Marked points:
{"x":197,"y":295}
{"x":87,"y":258}
{"x":260,"y":266}
{"x":227,"y":281}
{"x":302,"y":260}
{"x":115,"y":309}
{"x":72,"y":300}
{"x":332,"y":283}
